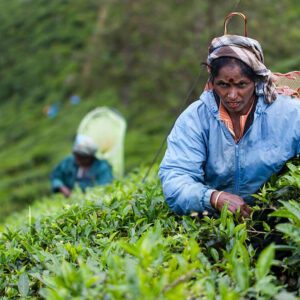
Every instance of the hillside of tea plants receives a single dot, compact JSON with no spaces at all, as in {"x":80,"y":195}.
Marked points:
{"x":121,"y":241}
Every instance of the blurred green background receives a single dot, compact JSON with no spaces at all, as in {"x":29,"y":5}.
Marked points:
{"x":139,"y":57}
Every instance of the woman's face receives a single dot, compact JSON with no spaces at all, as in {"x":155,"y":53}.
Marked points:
{"x":83,"y":161}
{"x":236,"y":90}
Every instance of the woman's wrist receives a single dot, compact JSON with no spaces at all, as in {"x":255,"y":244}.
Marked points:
{"x":215,"y":198}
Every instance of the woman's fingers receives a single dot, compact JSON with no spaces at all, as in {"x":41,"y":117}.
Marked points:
{"x":234,"y":203}
{"x":245,"y":211}
{"x":232,"y":207}
{"x":249,"y":210}
{"x":223,"y":200}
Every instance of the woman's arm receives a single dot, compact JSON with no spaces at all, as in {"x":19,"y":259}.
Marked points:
{"x":57,"y":179}
{"x":182,"y":169}
{"x":104,"y":173}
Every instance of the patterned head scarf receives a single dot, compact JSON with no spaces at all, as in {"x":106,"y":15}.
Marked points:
{"x":250,"y":52}
{"x":84,"y":145}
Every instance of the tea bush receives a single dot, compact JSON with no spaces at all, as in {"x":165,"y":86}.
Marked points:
{"x":122,"y":242}
{"x":140,"y":57}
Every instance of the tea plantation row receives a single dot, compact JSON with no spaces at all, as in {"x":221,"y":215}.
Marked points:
{"x":122,"y":242}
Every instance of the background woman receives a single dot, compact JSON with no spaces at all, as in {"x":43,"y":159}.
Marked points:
{"x":81,"y":168}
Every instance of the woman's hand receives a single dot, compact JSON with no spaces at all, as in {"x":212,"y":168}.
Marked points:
{"x":65,"y":190}
{"x":234,"y":202}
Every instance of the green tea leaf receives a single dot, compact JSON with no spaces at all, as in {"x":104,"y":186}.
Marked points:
{"x":112,"y":236}
{"x":292,"y":167}
{"x":238,"y":228}
{"x":23,"y":284}
{"x":293,"y":207}
{"x":224,"y":215}
{"x":265,"y":261}
{"x":131,"y":249}
{"x":283,"y":214}
{"x":94,"y":218}
{"x":241,"y":275}
{"x":266,"y":226}
{"x":290,"y":230}
{"x":244,"y":253}
{"x":214,"y":253}
{"x":265,"y":286}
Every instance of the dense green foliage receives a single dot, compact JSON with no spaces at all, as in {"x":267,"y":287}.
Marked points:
{"x":122,"y":242}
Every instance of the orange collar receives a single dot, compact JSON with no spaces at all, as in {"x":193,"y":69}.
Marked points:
{"x":224,"y":116}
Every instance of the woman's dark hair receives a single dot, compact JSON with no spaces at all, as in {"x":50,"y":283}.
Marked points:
{"x":221,"y":62}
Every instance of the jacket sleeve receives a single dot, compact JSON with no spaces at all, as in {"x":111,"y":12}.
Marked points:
{"x":104,"y":173}
{"x":57,"y":177}
{"x":182,"y":169}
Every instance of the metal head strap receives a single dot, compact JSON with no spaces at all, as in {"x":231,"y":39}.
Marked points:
{"x":232,"y":14}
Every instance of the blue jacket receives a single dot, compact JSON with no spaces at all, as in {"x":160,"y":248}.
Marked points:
{"x":202,"y":156}
{"x":65,"y":173}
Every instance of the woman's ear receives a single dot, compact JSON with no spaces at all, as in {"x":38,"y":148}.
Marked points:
{"x":208,"y":69}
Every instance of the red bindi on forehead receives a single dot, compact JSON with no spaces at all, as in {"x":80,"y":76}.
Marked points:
{"x":231,"y":80}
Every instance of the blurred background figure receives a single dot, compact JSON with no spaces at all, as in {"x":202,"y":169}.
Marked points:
{"x":51,"y":111}
{"x":74,"y":99}
{"x":81,"y":168}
